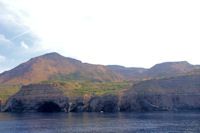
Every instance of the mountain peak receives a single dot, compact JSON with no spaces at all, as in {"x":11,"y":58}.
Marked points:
{"x":170,"y":69}
{"x":57,"y":57}
{"x":52,"y":54}
{"x":172,"y":63}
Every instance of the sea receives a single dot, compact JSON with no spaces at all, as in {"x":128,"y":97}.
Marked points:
{"x":157,"y":122}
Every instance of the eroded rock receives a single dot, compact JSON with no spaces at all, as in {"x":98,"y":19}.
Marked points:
{"x":108,"y":103}
{"x":159,"y":102}
{"x":37,"y":98}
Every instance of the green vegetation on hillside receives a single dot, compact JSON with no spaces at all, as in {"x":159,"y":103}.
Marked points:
{"x":73,"y":89}
{"x":81,"y":88}
{"x":8,"y":91}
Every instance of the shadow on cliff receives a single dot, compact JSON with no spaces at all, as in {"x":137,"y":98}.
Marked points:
{"x":49,"y":107}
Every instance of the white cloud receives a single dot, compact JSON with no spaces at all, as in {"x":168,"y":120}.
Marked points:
{"x":2,"y":58}
{"x":21,"y":34}
{"x":126,"y":32}
{"x":24,"y":45}
{"x":3,"y":39}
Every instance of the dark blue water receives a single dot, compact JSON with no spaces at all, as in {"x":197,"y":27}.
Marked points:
{"x":100,"y":123}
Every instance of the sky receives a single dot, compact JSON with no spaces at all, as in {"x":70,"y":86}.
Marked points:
{"x":132,"y":33}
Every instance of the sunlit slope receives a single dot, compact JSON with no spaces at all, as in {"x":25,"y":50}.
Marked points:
{"x":54,"y":66}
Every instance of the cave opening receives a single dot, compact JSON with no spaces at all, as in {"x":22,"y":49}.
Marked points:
{"x":49,"y":107}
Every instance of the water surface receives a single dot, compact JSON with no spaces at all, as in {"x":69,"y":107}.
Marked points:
{"x":164,"y":122}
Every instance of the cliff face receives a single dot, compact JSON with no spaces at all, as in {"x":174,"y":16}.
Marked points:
{"x":175,"y":93}
{"x":160,"y":102}
{"x":49,"y":98}
{"x":37,"y":98}
{"x":108,"y":103}
{"x":168,"y":94}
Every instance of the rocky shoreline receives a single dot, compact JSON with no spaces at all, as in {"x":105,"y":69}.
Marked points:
{"x":47,"y":98}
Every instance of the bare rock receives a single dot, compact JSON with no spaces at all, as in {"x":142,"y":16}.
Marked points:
{"x":37,"y":98}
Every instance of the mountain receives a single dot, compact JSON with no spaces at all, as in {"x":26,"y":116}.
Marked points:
{"x":166,"y":69}
{"x":170,"y":69}
{"x":128,"y":72}
{"x":53,"y":66}
{"x":52,"y":81}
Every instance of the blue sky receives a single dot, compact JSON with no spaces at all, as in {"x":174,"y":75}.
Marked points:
{"x":124,"y":32}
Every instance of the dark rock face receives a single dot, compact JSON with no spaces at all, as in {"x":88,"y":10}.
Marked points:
{"x":168,"y":94}
{"x":37,"y":98}
{"x":145,"y":103}
{"x":108,"y":103}
{"x":47,"y":98}
{"x":77,"y":105}
{"x":141,"y":103}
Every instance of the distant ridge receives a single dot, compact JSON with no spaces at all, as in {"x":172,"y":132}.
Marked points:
{"x":166,"y":69}
{"x":170,"y":69}
{"x":128,"y":72}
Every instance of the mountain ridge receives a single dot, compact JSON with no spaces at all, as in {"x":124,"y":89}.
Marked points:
{"x":43,"y":67}
{"x":165,"y":69}
{"x":53,"y":66}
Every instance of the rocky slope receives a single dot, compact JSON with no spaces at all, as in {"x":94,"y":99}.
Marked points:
{"x":50,"y":98}
{"x":165,"y":69}
{"x":37,"y":98}
{"x":168,"y":69}
{"x":54,"y":66}
{"x":175,"y":93}
{"x":129,"y":72}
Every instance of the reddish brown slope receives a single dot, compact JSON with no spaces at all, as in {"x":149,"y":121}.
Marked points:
{"x":43,"y":67}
